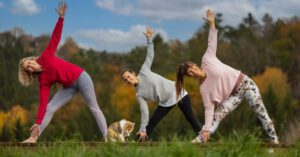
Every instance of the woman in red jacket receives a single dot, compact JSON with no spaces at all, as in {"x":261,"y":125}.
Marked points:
{"x":49,"y":70}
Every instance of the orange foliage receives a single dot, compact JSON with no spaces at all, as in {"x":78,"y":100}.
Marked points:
{"x":122,"y":97}
{"x":2,"y":120}
{"x":111,"y":69}
{"x":292,"y":26}
{"x":276,"y":79}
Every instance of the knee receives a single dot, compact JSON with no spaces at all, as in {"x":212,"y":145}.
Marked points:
{"x":269,"y":126}
{"x":259,"y":108}
{"x":51,"y":110}
{"x":95,"y":109}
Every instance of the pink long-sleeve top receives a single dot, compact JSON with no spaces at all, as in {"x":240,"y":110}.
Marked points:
{"x":220,"y":81}
{"x":55,"y":70}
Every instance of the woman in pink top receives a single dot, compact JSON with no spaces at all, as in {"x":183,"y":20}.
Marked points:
{"x":49,"y":70}
{"x":222,"y":86}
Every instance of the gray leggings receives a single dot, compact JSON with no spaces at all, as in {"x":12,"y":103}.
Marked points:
{"x":85,"y":86}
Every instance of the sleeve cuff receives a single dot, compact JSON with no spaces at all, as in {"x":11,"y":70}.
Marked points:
{"x":38,"y":121}
{"x":213,"y":30}
{"x":61,"y":19}
{"x":149,"y":41}
{"x":143,"y":128}
{"x":206,"y":128}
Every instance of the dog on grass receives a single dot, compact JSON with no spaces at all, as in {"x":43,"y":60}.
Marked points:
{"x":118,"y":131}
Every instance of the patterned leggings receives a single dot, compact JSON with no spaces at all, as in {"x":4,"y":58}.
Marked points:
{"x":248,"y":90}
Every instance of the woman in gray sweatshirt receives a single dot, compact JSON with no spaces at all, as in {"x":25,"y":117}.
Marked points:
{"x":151,"y":86}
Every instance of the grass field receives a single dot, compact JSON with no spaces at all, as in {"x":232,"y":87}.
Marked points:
{"x":242,"y":145}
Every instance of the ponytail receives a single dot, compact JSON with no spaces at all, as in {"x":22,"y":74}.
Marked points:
{"x":181,"y":73}
{"x":179,"y":79}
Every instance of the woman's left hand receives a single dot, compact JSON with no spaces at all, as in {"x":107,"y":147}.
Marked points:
{"x":62,"y":9}
{"x":210,"y":17}
{"x":205,"y":135}
{"x":149,"y":32}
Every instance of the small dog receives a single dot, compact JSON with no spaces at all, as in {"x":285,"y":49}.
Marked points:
{"x":117,"y":131}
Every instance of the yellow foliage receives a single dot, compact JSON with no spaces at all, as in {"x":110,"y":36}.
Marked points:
{"x":15,"y":113}
{"x":2,"y":120}
{"x":11,"y":117}
{"x":122,"y":97}
{"x":276,"y":79}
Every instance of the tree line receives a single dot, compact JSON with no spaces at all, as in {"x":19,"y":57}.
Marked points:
{"x":267,"y":51}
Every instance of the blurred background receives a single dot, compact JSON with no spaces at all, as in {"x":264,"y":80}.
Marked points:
{"x":259,"y":37}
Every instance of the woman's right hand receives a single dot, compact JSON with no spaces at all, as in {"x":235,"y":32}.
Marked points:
{"x":142,"y":136}
{"x":205,"y":135}
{"x":35,"y":129}
{"x":62,"y":8}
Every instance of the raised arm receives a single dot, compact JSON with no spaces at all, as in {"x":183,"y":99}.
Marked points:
{"x":56,"y":35}
{"x":213,"y":33}
{"x":150,"y":49}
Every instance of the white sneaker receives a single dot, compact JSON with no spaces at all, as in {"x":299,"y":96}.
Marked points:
{"x":270,"y":150}
{"x":275,"y":141}
{"x":198,"y":139}
{"x":30,"y":140}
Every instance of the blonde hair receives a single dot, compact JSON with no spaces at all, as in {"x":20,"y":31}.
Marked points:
{"x":26,"y":78}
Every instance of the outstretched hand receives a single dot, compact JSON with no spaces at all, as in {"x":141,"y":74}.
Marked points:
{"x":149,"y":32}
{"x":35,"y":129}
{"x":62,"y":8}
{"x":205,"y":135}
{"x":209,"y":16}
{"x":142,"y":136}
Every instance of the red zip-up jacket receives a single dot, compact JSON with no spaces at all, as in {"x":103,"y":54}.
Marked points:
{"x":55,"y":70}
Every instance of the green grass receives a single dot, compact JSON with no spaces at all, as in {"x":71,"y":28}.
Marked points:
{"x":237,"y":144}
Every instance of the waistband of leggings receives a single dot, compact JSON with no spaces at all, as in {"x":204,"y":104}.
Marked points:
{"x":238,"y":82}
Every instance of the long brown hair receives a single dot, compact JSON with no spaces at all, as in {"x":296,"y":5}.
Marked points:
{"x":181,"y":73}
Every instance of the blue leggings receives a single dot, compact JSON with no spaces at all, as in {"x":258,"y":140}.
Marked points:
{"x":85,"y":86}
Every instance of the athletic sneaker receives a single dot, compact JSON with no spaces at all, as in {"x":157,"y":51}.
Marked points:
{"x":198,"y":139}
{"x":275,"y":141}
